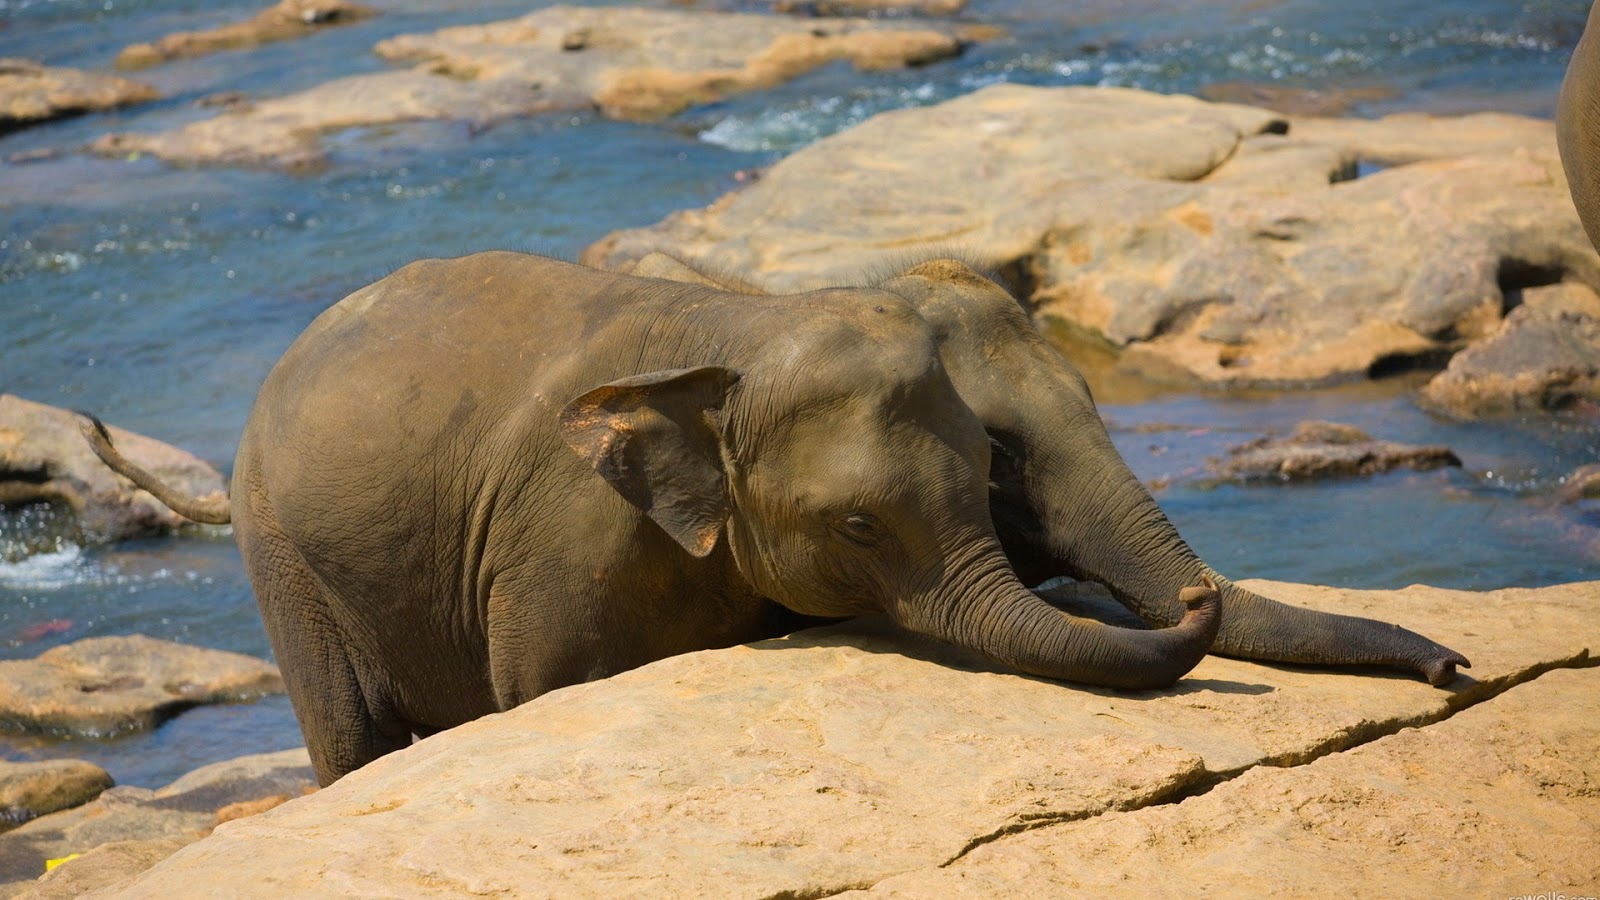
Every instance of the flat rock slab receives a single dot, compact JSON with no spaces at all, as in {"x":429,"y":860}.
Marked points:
{"x":44,"y":458}
{"x":1544,"y":355}
{"x":1502,"y":800}
{"x":629,"y":62}
{"x":1325,"y":450}
{"x":105,"y":686}
{"x":29,"y":790}
{"x":1215,"y":243}
{"x":128,"y":829}
{"x":288,"y":19}
{"x":838,"y":758}
{"x":32,"y":93}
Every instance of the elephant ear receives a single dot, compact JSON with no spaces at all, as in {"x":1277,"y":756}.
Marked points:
{"x":653,"y":437}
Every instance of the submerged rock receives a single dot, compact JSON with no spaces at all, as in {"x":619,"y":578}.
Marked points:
{"x":1582,"y":484}
{"x":629,"y":62}
{"x":32,"y":93}
{"x":288,"y":19}
{"x":1213,"y":243}
{"x":44,"y":459}
{"x":864,"y":7}
{"x":128,"y":829}
{"x":1544,"y":355}
{"x":1295,"y":101}
{"x":1325,"y":450}
{"x":111,"y":685}
{"x":29,"y":790}
{"x":837,"y":758}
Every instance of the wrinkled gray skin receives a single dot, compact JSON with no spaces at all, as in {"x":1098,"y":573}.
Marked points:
{"x":1578,"y":126}
{"x":481,"y":479}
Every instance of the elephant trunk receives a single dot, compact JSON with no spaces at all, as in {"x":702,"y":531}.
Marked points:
{"x":996,"y":615}
{"x":1099,"y":522}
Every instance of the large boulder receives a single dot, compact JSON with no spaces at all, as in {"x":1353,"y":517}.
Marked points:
{"x":1544,"y":355}
{"x":104,"y":686}
{"x":32,"y":93}
{"x":128,"y":829}
{"x":838,"y":758}
{"x":29,"y":790}
{"x":288,"y":19}
{"x":629,"y":62}
{"x":1213,"y":243}
{"x":44,"y":458}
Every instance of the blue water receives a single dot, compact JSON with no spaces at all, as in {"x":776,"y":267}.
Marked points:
{"x":159,"y":296}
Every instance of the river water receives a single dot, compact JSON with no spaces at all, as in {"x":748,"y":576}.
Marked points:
{"x":160,"y":296}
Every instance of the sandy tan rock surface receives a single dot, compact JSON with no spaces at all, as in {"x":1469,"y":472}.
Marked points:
{"x":840,"y":758}
{"x":111,"y":685}
{"x":1502,"y":800}
{"x":44,"y":458}
{"x":288,"y":19}
{"x":1544,"y":355}
{"x":128,"y":829}
{"x":628,"y":62}
{"x":1213,"y":243}
{"x":30,"y":92}
{"x":29,"y":790}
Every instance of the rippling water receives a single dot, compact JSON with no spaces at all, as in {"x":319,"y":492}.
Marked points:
{"x":160,"y":296}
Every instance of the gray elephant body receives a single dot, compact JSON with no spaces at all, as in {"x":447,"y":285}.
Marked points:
{"x":1578,"y":126}
{"x":481,"y":479}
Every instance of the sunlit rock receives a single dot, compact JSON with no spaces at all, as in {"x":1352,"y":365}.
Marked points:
{"x":30,"y":92}
{"x":838,"y":758}
{"x":288,"y":19}
{"x":45,"y":459}
{"x":627,"y":62}
{"x":105,"y":686}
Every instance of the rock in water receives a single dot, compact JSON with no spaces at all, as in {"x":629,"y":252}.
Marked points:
{"x":631,"y":63}
{"x":1213,"y":243}
{"x":288,"y":19}
{"x":31,"y":93}
{"x":32,"y":789}
{"x":1544,"y":355}
{"x":104,"y":686}
{"x":44,"y":458}
{"x":129,"y":829}
{"x":1326,"y":450}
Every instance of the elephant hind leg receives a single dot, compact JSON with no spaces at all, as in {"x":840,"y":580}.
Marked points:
{"x":345,"y":722}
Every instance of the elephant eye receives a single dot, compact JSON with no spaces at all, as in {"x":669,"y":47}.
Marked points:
{"x":860,"y":527}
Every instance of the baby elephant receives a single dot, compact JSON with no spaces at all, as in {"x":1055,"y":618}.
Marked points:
{"x":485,"y":478}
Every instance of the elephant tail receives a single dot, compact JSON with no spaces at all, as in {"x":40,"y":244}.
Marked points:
{"x":205,"y":510}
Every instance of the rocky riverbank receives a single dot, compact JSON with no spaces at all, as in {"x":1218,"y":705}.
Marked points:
{"x":855,"y":757}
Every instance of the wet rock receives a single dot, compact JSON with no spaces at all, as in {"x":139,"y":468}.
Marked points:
{"x":1544,"y":355}
{"x":32,"y":93}
{"x":31,"y":789}
{"x":1215,"y":244}
{"x":870,"y":7}
{"x":288,"y":19}
{"x":128,"y":829}
{"x":1295,"y":101}
{"x":840,"y":757}
{"x":1502,"y":800}
{"x":1582,"y":484}
{"x":630,"y":63}
{"x":110,"y":685}
{"x":1325,"y":450}
{"x":45,"y":459}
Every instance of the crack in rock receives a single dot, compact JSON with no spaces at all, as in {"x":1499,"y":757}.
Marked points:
{"x":1345,"y":739}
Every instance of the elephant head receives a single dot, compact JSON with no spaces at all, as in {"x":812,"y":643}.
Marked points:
{"x":848,"y":475}
{"x":1065,"y":503}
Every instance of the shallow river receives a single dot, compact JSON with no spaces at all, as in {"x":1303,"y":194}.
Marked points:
{"x":160,"y":296}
